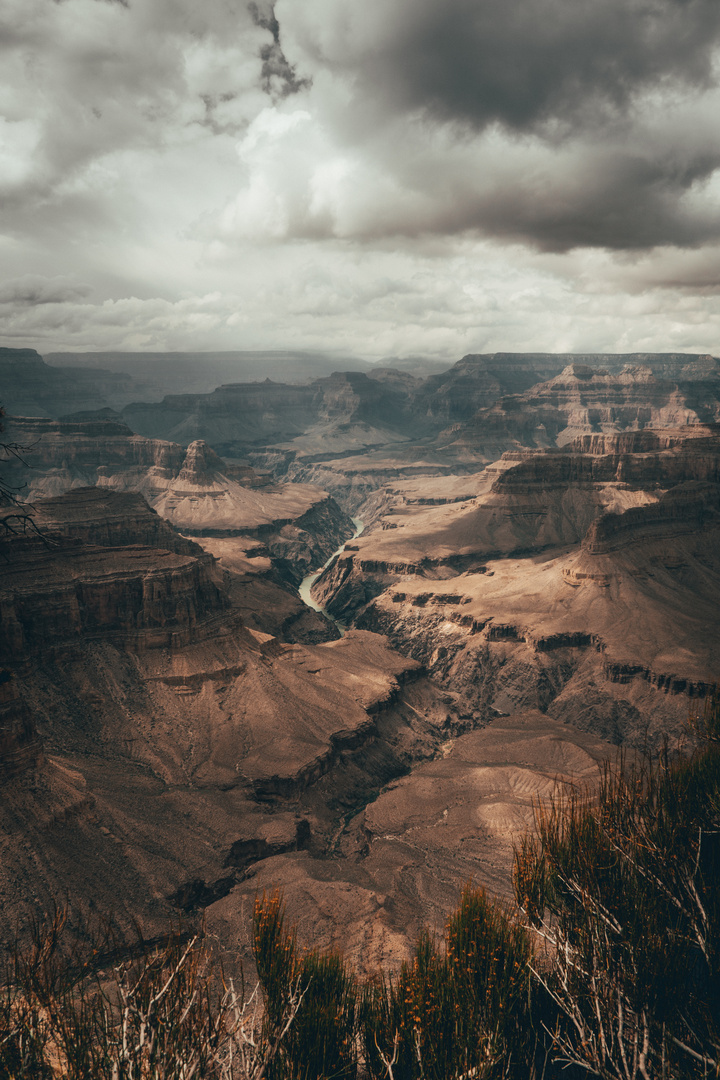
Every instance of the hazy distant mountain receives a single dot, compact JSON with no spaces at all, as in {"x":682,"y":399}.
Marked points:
{"x":155,"y":374}
{"x":29,"y":387}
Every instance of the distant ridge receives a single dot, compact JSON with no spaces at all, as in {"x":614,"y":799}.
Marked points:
{"x":160,"y":373}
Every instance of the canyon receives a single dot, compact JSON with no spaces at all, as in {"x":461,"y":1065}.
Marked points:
{"x":536,"y":588}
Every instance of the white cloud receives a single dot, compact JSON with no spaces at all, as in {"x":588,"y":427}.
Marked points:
{"x":384,"y":304}
{"x":156,"y":197}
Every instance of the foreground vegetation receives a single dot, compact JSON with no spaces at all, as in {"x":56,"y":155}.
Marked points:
{"x":611,"y":968}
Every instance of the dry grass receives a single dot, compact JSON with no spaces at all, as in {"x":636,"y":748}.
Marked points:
{"x":614,"y":972}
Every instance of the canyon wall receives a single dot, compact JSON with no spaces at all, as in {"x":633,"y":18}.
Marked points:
{"x":583,"y":585}
{"x":20,"y":745}
{"x":192,"y":488}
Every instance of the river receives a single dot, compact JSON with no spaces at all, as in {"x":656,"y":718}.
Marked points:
{"x":309,"y":580}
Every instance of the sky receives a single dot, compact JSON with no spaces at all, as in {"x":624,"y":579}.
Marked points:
{"x":373,"y":177}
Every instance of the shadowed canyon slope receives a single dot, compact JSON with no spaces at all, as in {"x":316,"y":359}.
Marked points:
{"x":160,"y":744}
{"x":193,"y":488}
{"x":537,"y":583}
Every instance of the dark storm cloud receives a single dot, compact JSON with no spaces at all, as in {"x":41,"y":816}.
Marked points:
{"x":521,"y":63}
{"x":33,"y":290}
{"x":614,"y":199}
{"x":278,"y":78}
{"x":172,"y":152}
{"x":558,"y":123}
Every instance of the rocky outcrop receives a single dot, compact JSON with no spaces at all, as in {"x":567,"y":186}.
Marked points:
{"x":199,"y":466}
{"x":686,"y":509}
{"x":240,"y":416}
{"x":81,"y":453}
{"x":194,"y":489}
{"x":650,"y":440}
{"x":111,"y":519}
{"x":478,"y":381}
{"x":473,"y":383}
{"x":57,"y":592}
{"x":543,"y":587}
{"x":20,"y":744}
{"x":581,"y":400}
{"x":641,"y":459}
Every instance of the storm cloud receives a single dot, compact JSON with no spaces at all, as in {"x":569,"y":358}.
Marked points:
{"x":531,"y":65}
{"x":360,"y":174}
{"x":562,"y":123}
{"x":34,"y":289}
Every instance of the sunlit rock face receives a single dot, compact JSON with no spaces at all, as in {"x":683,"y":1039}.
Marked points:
{"x":583,"y":584}
{"x":180,"y":731}
{"x":192,"y":488}
{"x":153,"y":748}
{"x":582,"y":400}
{"x":300,"y":523}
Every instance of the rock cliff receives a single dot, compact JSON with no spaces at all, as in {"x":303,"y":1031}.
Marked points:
{"x":299,"y":524}
{"x":97,"y":515}
{"x":66,"y":454}
{"x":348,"y":408}
{"x":581,"y":400}
{"x":192,"y":488}
{"x":55,"y":593}
{"x":180,"y":747}
{"x":573,"y":583}
{"x":20,"y":744}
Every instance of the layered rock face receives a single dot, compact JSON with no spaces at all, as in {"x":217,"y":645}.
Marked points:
{"x":352,"y":432}
{"x":480,"y":421}
{"x":244,"y":415}
{"x":573,"y":583}
{"x":583,"y":400}
{"x":135,"y":596}
{"x":97,"y":515}
{"x":478,"y":380}
{"x":346,"y":406}
{"x":194,"y":489}
{"x":65,"y":454}
{"x":20,"y":745}
{"x":300,"y":524}
{"x":637,"y":460}
{"x":180,"y":748}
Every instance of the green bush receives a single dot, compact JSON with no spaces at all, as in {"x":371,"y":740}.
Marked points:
{"x":460,"y":1009}
{"x":310,"y":999}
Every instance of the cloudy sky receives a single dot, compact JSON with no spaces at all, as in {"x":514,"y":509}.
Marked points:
{"x":377,"y":177}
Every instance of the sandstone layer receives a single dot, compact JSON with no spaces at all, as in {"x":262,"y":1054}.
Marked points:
{"x":194,"y":489}
{"x":585,"y":585}
{"x":154,"y":749}
{"x":484,"y":421}
{"x":582,"y":400}
{"x":177,"y":731}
